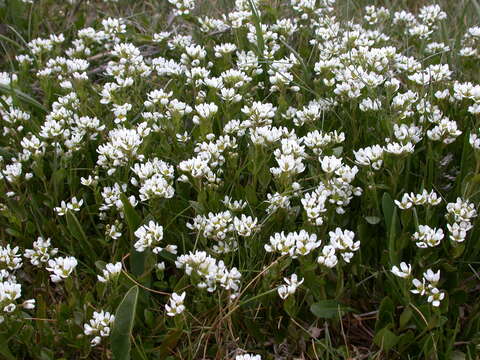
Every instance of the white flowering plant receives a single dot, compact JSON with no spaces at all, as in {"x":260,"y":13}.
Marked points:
{"x":239,"y":179}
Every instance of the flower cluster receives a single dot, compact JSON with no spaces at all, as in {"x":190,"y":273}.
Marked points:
{"x":175,"y":305}
{"x":293,"y":244}
{"x":10,"y":293}
{"x":425,"y":198}
{"x":459,"y":216}
{"x":427,"y":287}
{"x":291,"y":286}
{"x":213,"y":154}
{"x":41,"y":252}
{"x":427,"y":237}
{"x":61,"y":267}
{"x":99,"y":326}
{"x":149,"y":236}
{"x":211,"y":272}
{"x":111,"y":272}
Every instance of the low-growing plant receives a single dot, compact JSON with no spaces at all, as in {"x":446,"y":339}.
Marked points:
{"x":249,"y":180}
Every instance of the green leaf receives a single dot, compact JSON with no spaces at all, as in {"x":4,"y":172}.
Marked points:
{"x":385,"y":339}
{"x":137,"y":259}
{"x":391,"y":221}
{"x":133,"y":219}
{"x":337,"y":151}
{"x":328,"y":309}
{"x":14,"y":233}
{"x":386,"y":313}
{"x":199,"y":208}
{"x":169,"y":342}
{"x":75,"y":227}
{"x":388,"y":208}
{"x":22,"y":96}
{"x":258,"y":28}
{"x":7,"y":39}
{"x":251,"y":195}
{"x":123,"y":325}
{"x":457,"y":250}
{"x":4,"y":350}
{"x":313,"y":283}
{"x":372,"y":220}
{"x":264,"y":176}
{"x":290,"y":307}
{"x":405,"y":317}
{"x":458,"y":355}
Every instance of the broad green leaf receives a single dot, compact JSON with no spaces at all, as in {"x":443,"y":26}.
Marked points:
{"x":385,"y":313}
{"x":313,"y":283}
{"x":123,"y":325}
{"x":385,"y":339}
{"x":328,"y":309}
{"x":133,"y":219}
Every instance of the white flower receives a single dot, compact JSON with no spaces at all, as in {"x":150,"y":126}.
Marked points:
{"x":295,"y":244}
{"x":148,"y":236}
{"x":330,"y":163}
{"x":29,"y":304}
{"x":404,"y":271}
{"x":435,"y":297}
{"x":10,"y":258}
{"x":73,"y":205}
{"x":204,"y":112}
{"x":175,"y":305}
{"x":41,"y":251}
{"x":291,"y":286}
{"x":428,"y":237}
{"x":343,"y":240}
{"x":211,"y":272}
{"x":458,"y":231}
{"x":328,"y":257}
{"x":234,"y":205}
{"x":245,"y":225}
{"x":61,"y":267}
{"x":461,"y":210}
{"x":110,"y":272}
{"x":90,"y":181}
{"x":99,"y":326}
{"x":248,"y":357}
{"x":405,"y":203}
{"x":369,"y":156}
{"x":420,"y":287}
{"x":431,"y":276}
{"x":474,"y":141}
